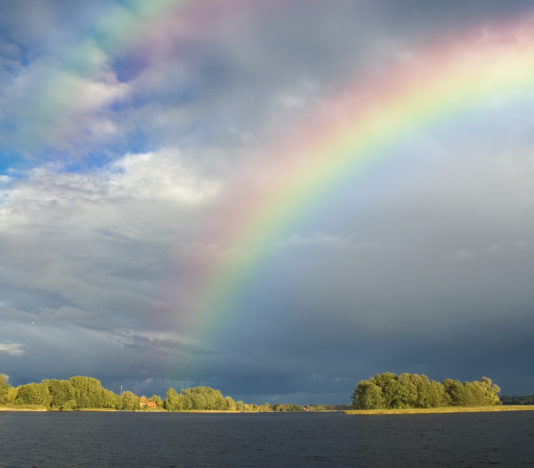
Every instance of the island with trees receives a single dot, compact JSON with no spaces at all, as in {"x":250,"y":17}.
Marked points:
{"x":411,"y":393}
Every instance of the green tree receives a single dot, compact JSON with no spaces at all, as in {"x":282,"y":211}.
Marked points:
{"x":229,"y":404}
{"x":171,"y":402}
{"x":199,"y":401}
{"x":457,"y":393}
{"x":111,"y":400}
{"x":481,"y":393}
{"x":205,"y":398}
{"x":87,"y":392}
{"x":11,"y":395}
{"x":408,"y":390}
{"x":33,"y":394}
{"x":368,"y":395}
{"x":61,"y":393}
{"x":392,"y":390}
{"x":186,"y":401}
{"x":130,"y":402}
{"x":437,"y":395}
{"x":4,"y":388}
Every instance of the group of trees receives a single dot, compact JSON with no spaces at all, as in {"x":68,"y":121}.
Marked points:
{"x":388,"y":390}
{"x":5,"y":389}
{"x":206,"y":398}
{"x":74,"y":393}
{"x":518,"y":400}
{"x":385,"y":390}
{"x":87,"y":392}
{"x":200,"y":398}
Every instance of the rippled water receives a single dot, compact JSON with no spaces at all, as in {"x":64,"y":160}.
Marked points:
{"x":292,"y":440}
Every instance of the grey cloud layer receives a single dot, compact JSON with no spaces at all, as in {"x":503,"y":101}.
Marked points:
{"x":423,"y":263}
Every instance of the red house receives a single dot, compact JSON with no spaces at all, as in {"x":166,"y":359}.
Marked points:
{"x":150,"y":404}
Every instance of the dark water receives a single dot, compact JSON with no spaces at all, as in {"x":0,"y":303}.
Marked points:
{"x":292,"y":440}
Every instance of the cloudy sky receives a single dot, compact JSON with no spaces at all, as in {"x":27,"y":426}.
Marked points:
{"x":133,"y":139}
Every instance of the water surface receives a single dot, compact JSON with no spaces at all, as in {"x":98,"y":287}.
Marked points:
{"x":86,"y":439}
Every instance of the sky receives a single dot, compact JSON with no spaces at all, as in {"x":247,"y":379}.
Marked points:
{"x":175,"y":209}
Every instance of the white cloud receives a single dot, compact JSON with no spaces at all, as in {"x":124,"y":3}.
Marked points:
{"x":82,"y":244}
{"x":13,"y":349}
{"x":159,"y":176}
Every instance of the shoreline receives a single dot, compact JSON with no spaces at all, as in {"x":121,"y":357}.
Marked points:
{"x":400,"y":411}
{"x":23,"y":408}
{"x":442,"y":410}
{"x":40,"y":409}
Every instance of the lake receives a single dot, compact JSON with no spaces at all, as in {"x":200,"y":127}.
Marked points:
{"x":86,"y":439}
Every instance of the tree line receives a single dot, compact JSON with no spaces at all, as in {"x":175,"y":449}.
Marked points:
{"x":77,"y":392}
{"x":388,"y":390}
{"x":82,"y":392}
{"x":518,"y":400}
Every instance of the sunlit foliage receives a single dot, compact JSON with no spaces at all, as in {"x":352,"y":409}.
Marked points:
{"x":388,"y":390}
{"x":4,"y":388}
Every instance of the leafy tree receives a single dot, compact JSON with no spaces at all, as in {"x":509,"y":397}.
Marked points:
{"x":229,"y":404}
{"x":481,"y":393}
{"x":130,"y":402}
{"x":491,"y":391}
{"x":408,"y":390}
{"x":87,"y":392}
{"x":11,"y":395}
{"x":61,"y":393}
{"x":33,"y":394}
{"x":171,"y":402}
{"x":111,"y":400}
{"x":199,"y":401}
{"x":368,"y":395}
{"x":457,"y":393}
{"x":205,"y":398}
{"x":186,"y":401}
{"x":437,"y":395}
{"x":392,"y":389}
{"x":4,"y":388}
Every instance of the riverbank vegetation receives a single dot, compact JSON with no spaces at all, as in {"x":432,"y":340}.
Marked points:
{"x":389,"y":391}
{"x":518,"y":400}
{"x":87,"y":393}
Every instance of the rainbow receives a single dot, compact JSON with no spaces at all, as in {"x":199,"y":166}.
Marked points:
{"x":474,"y":74}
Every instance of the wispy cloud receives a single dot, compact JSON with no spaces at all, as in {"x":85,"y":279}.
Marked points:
{"x":13,"y":349}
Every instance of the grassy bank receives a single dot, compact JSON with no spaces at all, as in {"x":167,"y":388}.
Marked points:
{"x":22,"y":408}
{"x":109,"y":410}
{"x":448,"y":409}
